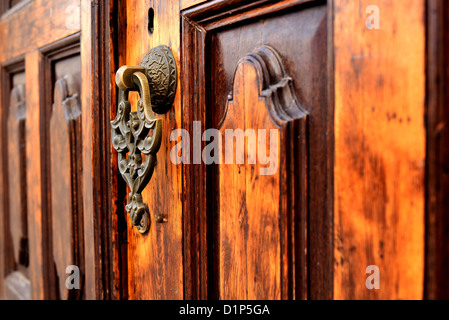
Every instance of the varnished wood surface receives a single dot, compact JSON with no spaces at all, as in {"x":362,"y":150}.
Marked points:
{"x":17,"y":171}
{"x":254,"y":213}
{"x":25,"y":29}
{"x":154,"y":260}
{"x":3,"y":189}
{"x":249,"y":230}
{"x":437,"y":163}
{"x":380,"y":149}
{"x":9,"y":7}
{"x":40,"y":23}
{"x":15,"y":258}
{"x":95,"y":207}
{"x":32,"y":31}
{"x":388,"y":207}
{"x":184,"y":4}
{"x":65,"y":170}
{"x":102,"y":278}
{"x":33,"y":69}
{"x":216,"y":52}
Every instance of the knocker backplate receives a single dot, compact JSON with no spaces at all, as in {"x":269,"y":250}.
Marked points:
{"x":161,"y":72}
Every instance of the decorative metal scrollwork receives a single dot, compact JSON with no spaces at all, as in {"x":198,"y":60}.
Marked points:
{"x":155,"y":79}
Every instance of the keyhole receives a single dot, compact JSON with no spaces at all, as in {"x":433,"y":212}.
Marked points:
{"x":150,"y":21}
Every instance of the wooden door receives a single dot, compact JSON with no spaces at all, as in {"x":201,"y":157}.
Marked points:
{"x":231,"y":232}
{"x":51,"y":160}
{"x":305,"y":143}
{"x":349,"y":187}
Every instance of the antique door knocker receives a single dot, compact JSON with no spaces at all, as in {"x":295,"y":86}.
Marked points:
{"x":155,"y":80}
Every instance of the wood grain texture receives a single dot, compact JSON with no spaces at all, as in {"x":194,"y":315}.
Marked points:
{"x":3,"y":189}
{"x":14,"y":242}
{"x":184,"y":4}
{"x":33,"y":67}
{"x":213,"y":42}
{"x":116,"y":287}
{"x":24,"y":29}
{"x":65,"y":169}
{"x":93,"y":288}
{"x":437,"y":186}
{"x":196,"y":220}
{"x":231,"y":233}
{"x":155,"y":262}
{"x":97,"y":96}
{"x":17,"y":174}
{"x":55,"y":66}
{"x":46,"y":22}
{"x":258,"y":226}
{"x":380,"y":149}
{"x":33,"y":29}
{"x":9,"y":7}
{"x":120,"y":189}
{"x":249,"y":225}
{"x":63,"y":207}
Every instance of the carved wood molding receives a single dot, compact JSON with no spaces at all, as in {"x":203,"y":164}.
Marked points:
{"x":14,"y":240}
{"x":66,"y":205}
{"x":197,"y":27}
{"x":261,"y":82}
{"x":17,"y":175}
{"x":216,"y":14}
{"x":275,"y":86}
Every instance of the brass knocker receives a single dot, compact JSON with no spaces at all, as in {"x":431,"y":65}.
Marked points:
{"x":155,"y":80}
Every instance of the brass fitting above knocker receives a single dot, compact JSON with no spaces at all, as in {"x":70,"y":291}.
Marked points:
{"x":155,"y":80}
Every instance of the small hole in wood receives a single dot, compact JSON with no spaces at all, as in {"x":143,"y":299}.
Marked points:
{"x":150,"y":21}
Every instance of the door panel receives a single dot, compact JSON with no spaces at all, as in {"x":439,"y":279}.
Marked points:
{"x":252,"y":235}
{"x":30,"y":204}
{"x":47,"y":69}
{"x":17,"y":171}
{"x":17,"y":283}
{"x":65,"y":168}
{"x":265,"y":222}
{"x":259,"y":230}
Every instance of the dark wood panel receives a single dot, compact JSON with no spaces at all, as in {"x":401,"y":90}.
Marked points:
{"x":194,"y":207}
{"x":65,"y":169}
{"x":103,"y":226}
{"x":60,"y":131}
{"x":262,"y":210}
{"x":213,"y":43}
{"x":3,"y":189}
{"x":15,"y":216}
{"x":17,"y":173}
{"x":12,"y":5}
{"x":437,"y":185}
